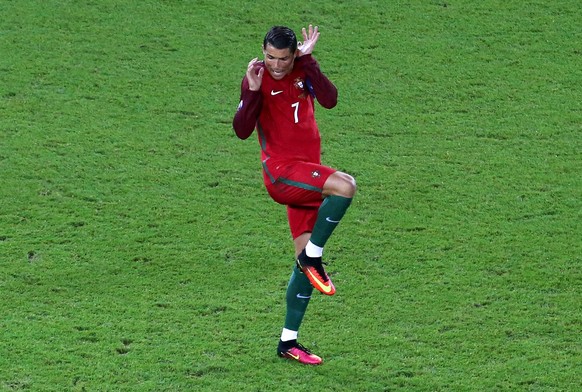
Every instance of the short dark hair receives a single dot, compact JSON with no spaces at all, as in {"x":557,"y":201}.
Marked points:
{"x":281,"y":37}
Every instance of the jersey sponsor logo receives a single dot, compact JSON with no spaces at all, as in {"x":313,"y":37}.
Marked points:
{"x":273,"y":92}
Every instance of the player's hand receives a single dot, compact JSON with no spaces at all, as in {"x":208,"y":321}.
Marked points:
{"x":255,"y":74}
{"x":309,"y":40}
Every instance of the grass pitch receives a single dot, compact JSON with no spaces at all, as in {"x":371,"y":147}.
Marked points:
{"x":140,"y":252}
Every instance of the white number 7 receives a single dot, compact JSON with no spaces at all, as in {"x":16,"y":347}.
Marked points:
{"x":296,"y":106}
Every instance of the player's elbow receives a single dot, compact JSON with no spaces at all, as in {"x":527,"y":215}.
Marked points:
{"x":329,"y":104}
{"x":242,"y":135}
{"x":329,"y":101}
{"x":240,"y":131}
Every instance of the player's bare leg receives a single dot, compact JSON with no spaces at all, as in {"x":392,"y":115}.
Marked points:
{"x":300,"y":242}
{"x":340,"y":184}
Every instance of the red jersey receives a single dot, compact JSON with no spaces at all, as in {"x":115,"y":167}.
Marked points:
{"x":282,"y":111}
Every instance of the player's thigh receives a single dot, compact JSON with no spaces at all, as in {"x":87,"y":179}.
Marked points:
{"x":297,"y":183}
{"x":301,"y":220}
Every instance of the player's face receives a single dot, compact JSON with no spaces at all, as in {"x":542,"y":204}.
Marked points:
{"x":279,"y":62}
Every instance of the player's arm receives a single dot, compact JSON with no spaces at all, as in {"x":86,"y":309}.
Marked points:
{"x":251,"y":100}
{"x":319,"y":85}
{"x":248,"y":111}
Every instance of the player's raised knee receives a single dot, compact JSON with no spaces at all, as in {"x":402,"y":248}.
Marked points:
{"x":350,"y":185}
{"x":340,"y":184}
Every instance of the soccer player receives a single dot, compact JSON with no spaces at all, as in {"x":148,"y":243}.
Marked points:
{"x":277,"y":99}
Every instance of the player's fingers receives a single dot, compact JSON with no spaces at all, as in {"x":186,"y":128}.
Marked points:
{"x":252,"y":63}
{"x":315,"y":37}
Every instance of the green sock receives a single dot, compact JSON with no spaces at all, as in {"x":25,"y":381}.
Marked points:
{"x":330,"y":213}
{"x":298,"y":294}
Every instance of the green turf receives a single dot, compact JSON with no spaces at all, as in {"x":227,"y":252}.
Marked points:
{"x":139,"y":250}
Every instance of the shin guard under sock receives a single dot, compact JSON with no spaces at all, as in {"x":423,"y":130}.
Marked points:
{"x":298,"y":294}
{"x":330,"y":213}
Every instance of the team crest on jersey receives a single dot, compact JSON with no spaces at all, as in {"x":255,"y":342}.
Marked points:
{"x":300,"y":85}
